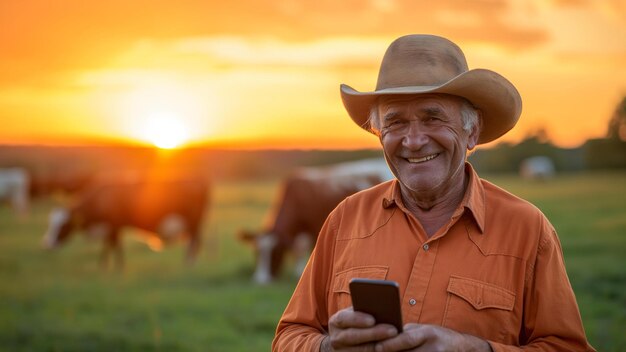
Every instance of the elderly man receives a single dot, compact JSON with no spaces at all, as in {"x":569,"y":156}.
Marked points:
{"x":478,"y":268}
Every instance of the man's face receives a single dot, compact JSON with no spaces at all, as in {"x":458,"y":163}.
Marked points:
{"x":424,"y":140}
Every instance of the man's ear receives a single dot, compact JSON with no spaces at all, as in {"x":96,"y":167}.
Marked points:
{"x":472,"y":139}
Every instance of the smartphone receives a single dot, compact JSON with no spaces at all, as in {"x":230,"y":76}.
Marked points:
{"x":379,"y":298}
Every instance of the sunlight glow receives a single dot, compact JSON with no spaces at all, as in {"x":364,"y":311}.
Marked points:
{"x":165,"y":131}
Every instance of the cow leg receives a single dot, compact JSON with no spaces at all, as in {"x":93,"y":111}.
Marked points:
{"x":193,"y":248}
{"x":112,"y":244}
{"x":302,"y":246}
{"x":119,"y":252}
{"x":267,"y":258}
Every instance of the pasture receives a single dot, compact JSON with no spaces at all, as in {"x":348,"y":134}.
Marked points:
{"x":61,"y":301}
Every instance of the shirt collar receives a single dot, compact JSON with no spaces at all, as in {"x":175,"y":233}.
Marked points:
{"x":392,"y":196}
{"x":473,"y":200}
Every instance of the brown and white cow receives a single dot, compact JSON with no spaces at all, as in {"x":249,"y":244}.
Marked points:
{"x":165,"y":209}
{"x":307,"y":197}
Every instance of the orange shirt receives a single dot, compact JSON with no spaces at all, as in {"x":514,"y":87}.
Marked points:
{"x":495,"y":271}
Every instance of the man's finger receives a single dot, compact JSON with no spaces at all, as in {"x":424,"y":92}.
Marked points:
{"x":356,"y":336}
{"x":413,"y":336}
{"x":348,"y":318}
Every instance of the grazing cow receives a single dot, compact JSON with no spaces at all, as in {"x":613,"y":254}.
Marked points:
{"x":308,"y":196}
{"x":14,"y":189}
{"x":165,"y":210}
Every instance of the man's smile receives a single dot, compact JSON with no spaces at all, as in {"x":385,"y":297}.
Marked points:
{"x":422,"y":159}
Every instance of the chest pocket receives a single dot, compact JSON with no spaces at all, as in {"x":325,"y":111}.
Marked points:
{"x":341,"y":285}
{"x":480,"y":308}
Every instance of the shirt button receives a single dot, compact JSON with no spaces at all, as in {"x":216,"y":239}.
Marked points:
{"x":412,"y":301}
{"x":425,"y":247}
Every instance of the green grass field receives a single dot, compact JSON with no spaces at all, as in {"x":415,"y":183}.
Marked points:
{"x":61,"y":301}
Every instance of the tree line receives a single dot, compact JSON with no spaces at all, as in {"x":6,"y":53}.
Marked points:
{"x":594,"y":154}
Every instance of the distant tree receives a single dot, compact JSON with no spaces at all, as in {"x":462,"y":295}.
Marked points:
{"x":617,"y":124}
{"x":538,"y":135}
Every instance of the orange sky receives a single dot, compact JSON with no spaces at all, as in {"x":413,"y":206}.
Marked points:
{"x":266,"y":73}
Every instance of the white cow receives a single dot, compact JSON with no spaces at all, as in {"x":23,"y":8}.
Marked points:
{"x":14,"y":189}
{"x":537,"y":168}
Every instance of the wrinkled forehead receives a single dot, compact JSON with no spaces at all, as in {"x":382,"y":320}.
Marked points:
{"x":430,"y":104}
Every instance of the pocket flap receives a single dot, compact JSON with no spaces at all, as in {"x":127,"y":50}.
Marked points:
{"x":480,"y":294}
{"x":342,"y":278}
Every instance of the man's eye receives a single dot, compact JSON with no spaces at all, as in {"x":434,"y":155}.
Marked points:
{"x":434,"y":118}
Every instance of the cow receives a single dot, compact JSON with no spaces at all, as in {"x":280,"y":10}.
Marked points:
{"x":307,"y":197}
{"x":537,"y":168}
{"x":164,"y":210}
{"x":14,"y":189}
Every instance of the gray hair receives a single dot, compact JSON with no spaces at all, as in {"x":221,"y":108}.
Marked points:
{"x":469,"y":116}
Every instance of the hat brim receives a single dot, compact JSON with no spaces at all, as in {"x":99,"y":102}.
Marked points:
{"x":497,"y":99}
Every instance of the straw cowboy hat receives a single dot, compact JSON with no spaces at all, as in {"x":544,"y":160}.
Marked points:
{"x":418,"y":64}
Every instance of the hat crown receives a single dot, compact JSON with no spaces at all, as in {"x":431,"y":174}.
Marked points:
{"x":420,"y":60}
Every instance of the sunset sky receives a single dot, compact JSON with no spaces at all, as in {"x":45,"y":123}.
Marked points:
{"x":257,"y":74}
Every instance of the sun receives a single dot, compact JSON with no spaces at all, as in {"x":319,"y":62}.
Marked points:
{"x":165,"y":131}
{"x":166,"y":113}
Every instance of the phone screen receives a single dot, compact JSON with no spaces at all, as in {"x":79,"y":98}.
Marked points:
{"x":379,"y":298}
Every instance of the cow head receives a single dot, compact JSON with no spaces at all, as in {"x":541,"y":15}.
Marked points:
{"x":59,"y":227}
{"x":269,"y":253}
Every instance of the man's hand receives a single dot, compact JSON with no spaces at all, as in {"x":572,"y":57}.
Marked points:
{"x":355,"y":331}
{"x":424,"y":338}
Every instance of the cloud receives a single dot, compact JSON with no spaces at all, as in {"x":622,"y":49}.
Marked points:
{"x":273,"y":52}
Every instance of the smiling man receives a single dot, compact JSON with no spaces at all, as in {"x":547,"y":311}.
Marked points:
{"x":478,"y":268}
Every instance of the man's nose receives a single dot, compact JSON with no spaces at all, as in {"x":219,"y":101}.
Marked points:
{"x":415,"y":136}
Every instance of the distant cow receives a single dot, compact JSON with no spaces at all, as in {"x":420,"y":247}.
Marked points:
{"x":14,"y":189}
{"x":308,"y":196}
{"x":537,"y":168}
{"x":165,"y":210}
